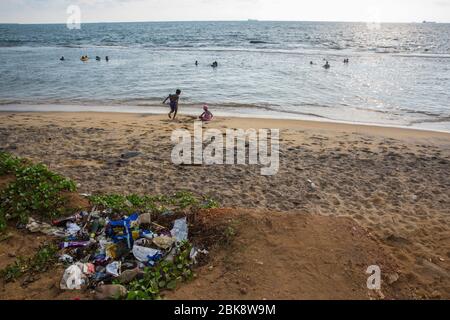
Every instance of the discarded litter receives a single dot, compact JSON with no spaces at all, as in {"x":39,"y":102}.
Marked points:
{"x":145,"y":218}
{"x":74,"y":244}
{"x":194,"y":253}
{"x":164,"y":242}
{"x":72,"y":228}
{"x":102,"y":248}
{"x":86,"y":268}
{"x":73,"y":278}
{"x":146,"y":255}
{"x":113,"y":268}
{"x":63,"y":221}
{"x":121,"y":229}
{"x":42,"y":227}
{"x":180,"y":229}
{"x":65,"y":258}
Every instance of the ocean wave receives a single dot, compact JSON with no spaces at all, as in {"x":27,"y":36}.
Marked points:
{"x":11,"y":43}
{"x":266,"y":47}
{"x":423,"y":55}
{"x":433,"y":120}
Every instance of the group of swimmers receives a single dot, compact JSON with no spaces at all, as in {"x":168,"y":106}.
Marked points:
{"x":86,"y":58}
{"x":97,"y":58}
{"x":215,"y":64}
{"x":173,"y":103}
{"x":327,"y":64}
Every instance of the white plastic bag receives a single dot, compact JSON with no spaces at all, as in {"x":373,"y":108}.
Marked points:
{"x":73,"y":278}
{"x":72,"y":228}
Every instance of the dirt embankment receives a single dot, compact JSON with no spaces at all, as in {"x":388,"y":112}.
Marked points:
{"x":258,"y":254}
{"x":291,"y":256}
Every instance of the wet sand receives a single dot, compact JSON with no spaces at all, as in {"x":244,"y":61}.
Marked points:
{"x":393,"y":182}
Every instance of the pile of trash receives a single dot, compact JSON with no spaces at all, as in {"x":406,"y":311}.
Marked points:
{"x":99,"y":249}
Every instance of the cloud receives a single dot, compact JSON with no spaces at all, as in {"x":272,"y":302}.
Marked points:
{"x":442,"y":3}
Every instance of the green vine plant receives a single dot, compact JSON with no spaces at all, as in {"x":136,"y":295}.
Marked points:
{"x":35,"y":191}
{"x":165,"y":275}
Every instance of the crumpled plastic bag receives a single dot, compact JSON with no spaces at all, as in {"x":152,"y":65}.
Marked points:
{"x":114,"y":268}
{"x":180,"y":229}
{"x":65,"y":258}
{"x":144,"y":254}
{"x":73,"y":278}
{"x":36,"y":226}
{"x":72,"y":228}
{"x":86,"y":268}
{"x":164,"y":242}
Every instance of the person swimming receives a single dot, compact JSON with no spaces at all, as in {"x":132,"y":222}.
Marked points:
{"x":98,"y":58}
{"x":174,"y":98}
{"x":62,"y":58}
{"x":107,"y":58}
{"x":346,"y":60}
{"x":206,"y":115}
{"x":327,"y":65}
{"x":311,"y":63}
{"x":196,"y":62}
{"x":215,"y":64}
{"x":84,"y":58}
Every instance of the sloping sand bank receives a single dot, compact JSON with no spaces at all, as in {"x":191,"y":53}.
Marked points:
{"x":292,"y":256}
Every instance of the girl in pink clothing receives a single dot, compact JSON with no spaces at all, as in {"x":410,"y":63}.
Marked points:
{"x":206,"y":115}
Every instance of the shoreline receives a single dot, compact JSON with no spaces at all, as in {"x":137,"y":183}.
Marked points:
{"x":221,"y":115}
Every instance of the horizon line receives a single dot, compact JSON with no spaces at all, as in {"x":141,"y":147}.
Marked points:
{"x":242,"y":20}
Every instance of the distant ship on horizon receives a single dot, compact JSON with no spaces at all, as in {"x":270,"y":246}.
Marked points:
{"x":252,"y":20}
{"x":424,"y":21}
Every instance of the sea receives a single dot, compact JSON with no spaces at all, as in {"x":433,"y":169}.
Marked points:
{"x":397,"y":75}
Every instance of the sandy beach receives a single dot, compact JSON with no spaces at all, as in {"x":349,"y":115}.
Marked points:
{"x":393,"y":182}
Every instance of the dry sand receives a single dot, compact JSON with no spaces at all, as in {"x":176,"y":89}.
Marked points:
{"x":393,"y":182}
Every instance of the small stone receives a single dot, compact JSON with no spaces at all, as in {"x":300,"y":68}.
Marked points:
{"x":110,"y":291}
{"x":129,"y":275}
{"x":380,"y":294}
{"x":392,"y":277}
{"x":436,"y":295}
{"x":243,"y":290}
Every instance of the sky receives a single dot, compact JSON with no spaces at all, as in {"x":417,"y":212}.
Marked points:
{"x":55,"y":11}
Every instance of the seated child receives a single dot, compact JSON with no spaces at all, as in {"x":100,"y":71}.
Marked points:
{"x":206,"y":115}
